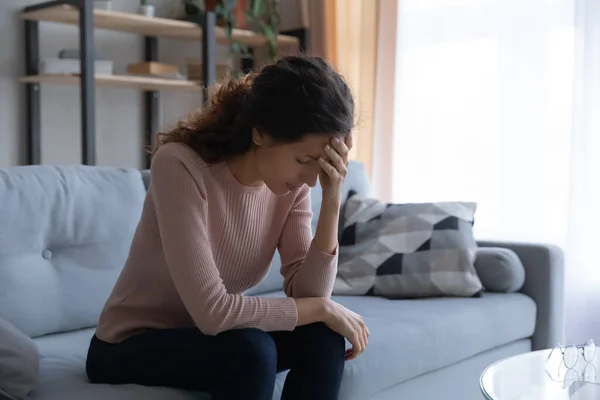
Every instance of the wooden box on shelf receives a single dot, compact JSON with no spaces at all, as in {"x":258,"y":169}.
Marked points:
{"x":153,"y":68}
{"x":194,"y":70}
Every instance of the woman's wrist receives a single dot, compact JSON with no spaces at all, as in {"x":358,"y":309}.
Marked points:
{"x":327,"y":225}
{"x":312,"y":309}
{"x":332,"y":197}
{"x":326,"y":309}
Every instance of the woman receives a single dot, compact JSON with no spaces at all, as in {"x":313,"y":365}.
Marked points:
{"x":228,"y":188}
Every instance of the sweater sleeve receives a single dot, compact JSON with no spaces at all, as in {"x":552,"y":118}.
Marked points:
{"x":307,"y":270}
{"x":181,"y":210}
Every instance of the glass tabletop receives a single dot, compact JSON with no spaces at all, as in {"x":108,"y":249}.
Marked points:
{"x":535,"y":375}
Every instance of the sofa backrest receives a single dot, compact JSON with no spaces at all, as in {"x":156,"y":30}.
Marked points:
{"x":64,"y":237}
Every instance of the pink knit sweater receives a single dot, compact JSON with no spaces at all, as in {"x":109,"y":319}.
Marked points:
{"x":203,"y":239}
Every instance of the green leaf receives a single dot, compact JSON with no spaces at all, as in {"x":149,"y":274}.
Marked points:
{"x":257,"y":7}
{"x":262,"y":25}
{"x":249,"y":16}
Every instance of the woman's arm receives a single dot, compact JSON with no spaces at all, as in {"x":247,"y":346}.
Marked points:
{"x":181,"y":211}
{"x":307,"y":269}
{"x":326,"y":236}
{"x":309,"y":266}
{"x":332,"y":175}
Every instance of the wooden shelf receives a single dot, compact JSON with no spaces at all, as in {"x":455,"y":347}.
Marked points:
{"x":150,"y":26}
{"x":120,"y":81}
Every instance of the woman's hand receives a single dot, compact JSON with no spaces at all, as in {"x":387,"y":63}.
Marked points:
{"x":334,"y":168}
{"x":332,"y":175}
{"x":348,"y":324}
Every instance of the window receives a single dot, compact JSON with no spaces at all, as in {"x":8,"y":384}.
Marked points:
{"x":483,"y":105}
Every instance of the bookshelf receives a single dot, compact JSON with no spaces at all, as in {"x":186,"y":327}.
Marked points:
{"x":146,"y":26}
{"x":124,"y":81}
{"x":83,"y":14}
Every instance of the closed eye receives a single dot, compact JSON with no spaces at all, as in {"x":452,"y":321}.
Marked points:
{"x":308,"y":159}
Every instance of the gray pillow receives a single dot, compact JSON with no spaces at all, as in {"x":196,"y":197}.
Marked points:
{"x":19,"y":362}
{"x":499,"y":269}
{"x":407,"y":250}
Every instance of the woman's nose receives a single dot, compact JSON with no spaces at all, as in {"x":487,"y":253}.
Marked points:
{"x":311,"y":179}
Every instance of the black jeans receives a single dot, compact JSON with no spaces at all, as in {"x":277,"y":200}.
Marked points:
{"x":237,"y":364}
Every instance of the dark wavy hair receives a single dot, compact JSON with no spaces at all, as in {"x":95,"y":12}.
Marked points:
{"x":295,"y":96}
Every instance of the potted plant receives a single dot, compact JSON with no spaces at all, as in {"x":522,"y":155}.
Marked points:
{"x":260,"y":15}
{"x":264,"y":15}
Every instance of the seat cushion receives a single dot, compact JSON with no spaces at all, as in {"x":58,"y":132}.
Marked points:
{"x":412,"y":337}
{"x":19,"y":362}
{"x":65,"y":233}
{"x":62,"y":375}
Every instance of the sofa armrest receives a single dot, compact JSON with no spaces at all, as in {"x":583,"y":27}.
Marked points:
{"x":544,"y":283}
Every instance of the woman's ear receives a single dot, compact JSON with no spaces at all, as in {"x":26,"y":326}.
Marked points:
{"x":348,"y":141}
{"x":260,"y":137}
{"x":257,"y":137}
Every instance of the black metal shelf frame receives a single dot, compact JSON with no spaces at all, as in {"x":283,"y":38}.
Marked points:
{"x":206,"y":21}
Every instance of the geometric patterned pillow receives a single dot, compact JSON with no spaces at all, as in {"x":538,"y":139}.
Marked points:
{"x":407,"y":250}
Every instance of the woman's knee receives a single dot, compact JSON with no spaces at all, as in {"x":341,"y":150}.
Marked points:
{"x":95,"y":366}
{"x":254,"y":348}
{"x":319,"y":338}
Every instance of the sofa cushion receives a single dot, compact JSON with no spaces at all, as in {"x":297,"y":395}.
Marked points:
{"x":65,"y":233}
{"x":18,"y":362}
{"x":412,"y":337}
{"x":500,"y":269}
{"x":62,"y":375}
{"x":407,"y":250}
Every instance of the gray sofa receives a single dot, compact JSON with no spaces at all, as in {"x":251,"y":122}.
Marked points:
{"x":64,"y":236}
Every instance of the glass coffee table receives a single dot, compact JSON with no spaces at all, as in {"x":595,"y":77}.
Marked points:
{"x":543,"y":375}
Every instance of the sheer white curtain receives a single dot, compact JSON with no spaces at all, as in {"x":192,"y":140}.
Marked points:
{"x":498,"y":101}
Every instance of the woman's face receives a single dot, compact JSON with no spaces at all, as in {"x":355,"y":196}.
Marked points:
{"x":285,"y":167}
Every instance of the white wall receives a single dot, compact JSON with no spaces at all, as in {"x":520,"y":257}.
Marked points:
{"x":119,"y":112}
